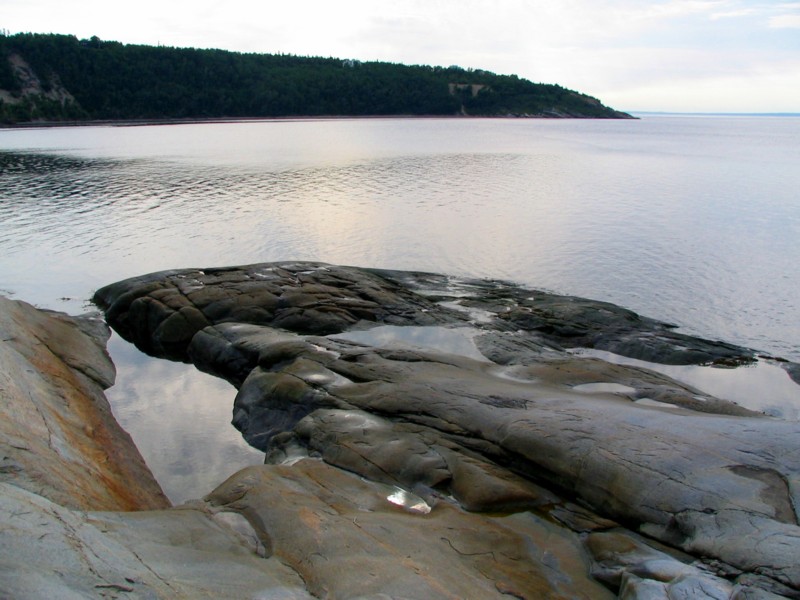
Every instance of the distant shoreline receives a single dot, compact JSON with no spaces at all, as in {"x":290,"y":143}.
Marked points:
{"x":213,"y":120}
{"x":636,"y":115}
{"x":666,"y":113}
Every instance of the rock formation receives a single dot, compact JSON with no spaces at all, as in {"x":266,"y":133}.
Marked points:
{"x":63,"y":454}
{"x":521,"y":428}
{"x":426,"y":438}
{"x":58,"y":437}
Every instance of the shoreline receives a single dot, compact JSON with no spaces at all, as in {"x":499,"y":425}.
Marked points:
{"x":299,"y":118}
{"x":413,"y":458}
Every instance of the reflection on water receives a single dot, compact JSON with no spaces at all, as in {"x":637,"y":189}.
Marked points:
{"x":459,"y":341}
{"x":180,"y":420}
{"x":763,"y":386}
{"x":605,"y":388}
{"x":689,"y":220}
{"x":409,"y":501}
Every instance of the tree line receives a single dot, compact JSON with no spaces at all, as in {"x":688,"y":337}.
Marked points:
{"x":111,"y":80}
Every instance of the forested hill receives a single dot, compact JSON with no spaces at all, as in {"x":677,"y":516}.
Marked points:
{"x":48,"y":77}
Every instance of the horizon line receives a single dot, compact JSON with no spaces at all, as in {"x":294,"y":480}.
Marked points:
{"x":717,"y":113}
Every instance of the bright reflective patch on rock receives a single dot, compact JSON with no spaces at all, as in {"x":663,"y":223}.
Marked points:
{"x":360,"y":420}
{"x":476,"y":315}
{"x":324,"y":350}
{"x":409,"y":501}
{"x":459,"y":341}
{"x":763,"y":386}
{"x":656,"y":403}
{"x":514,"y":373}
{"x":608,"y":388}
{"x":282,"y":593}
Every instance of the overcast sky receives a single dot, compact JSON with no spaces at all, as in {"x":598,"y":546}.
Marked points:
{"x":659,"y":55}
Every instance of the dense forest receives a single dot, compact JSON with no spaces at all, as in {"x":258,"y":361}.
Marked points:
{"x":49,"y":77}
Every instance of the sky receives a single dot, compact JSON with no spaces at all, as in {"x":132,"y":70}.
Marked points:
{"x":634,"y":55}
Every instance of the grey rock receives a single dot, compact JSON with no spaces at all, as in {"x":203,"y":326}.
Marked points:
{"x":516,"y":430}
{"x":642,"y":572}
{"x":161,"y":312}
{"x":352,"y":538}
{"x":48,"y":551}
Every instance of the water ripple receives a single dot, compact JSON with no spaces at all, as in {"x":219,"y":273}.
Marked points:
{"x":705,"y":237}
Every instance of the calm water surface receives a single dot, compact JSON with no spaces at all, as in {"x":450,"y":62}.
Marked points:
{"x":693,"y":220}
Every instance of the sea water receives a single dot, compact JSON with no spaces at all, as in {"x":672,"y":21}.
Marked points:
{"x":689,"y":219}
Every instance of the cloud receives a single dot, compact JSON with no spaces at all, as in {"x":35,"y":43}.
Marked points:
{"x":733,"y":14}
{"x":785,"y":22}
{"x":682,"y":8}
{"x":760,"y":84}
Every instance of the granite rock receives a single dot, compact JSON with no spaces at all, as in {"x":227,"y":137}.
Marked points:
{"x":349,"y":537}
{"x":81,"y":514}
{"x":513,"y":424}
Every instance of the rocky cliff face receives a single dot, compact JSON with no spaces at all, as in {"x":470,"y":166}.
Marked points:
{"x":30,"y":84}
{"x":425,"y":438}
{"x":34,"y":99}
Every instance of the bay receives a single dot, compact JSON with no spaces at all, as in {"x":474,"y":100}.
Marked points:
{"x":693,"y":220}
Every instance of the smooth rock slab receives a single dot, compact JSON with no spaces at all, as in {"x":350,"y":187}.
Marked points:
{"x":58,"y":437}
{"x":347,"y":540}
{"x":163,"y":311}
{"x":525,"y":429}
{"x":48,"y":551}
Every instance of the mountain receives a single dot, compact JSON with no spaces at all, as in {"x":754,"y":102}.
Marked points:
{"x":50,"y":77}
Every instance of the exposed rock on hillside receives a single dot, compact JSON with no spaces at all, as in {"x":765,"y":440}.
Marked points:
{"x":33,"y":98}
{"x":31,"y":85}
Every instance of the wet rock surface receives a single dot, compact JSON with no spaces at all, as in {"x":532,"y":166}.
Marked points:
{"x":162,"y":312}
{"x":359,"y":369}
{"x":425,"y":437}
{"x":349,"y":537}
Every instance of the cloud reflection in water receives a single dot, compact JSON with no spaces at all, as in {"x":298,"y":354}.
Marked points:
{"x":180,"y":420}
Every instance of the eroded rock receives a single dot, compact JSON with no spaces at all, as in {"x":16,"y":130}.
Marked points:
{"x":348,"y":540}
{"x":48,"y":551}
{"x":519,"y":426}
{"x":58,"y":437}
{"x":64,"y":459}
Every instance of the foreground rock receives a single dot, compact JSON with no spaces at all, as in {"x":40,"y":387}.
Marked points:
{"x":48,"y":551}
{"x":63,"y":454}
{"x":58,"y":437}
{"x":350,"y":538}
{"x":521,"y":428}
{"x":311,"y":530}
{"x":162,"y":312}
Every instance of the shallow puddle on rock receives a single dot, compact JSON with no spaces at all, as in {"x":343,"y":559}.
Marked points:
{"x":762,"y":386}
{"x":476,"y":315}
{"x":656,"y":403}
{"x":459,"y":341}
{"x":180,"y":419}
{"x":514,"y":373}
{"x":607,"y":388}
